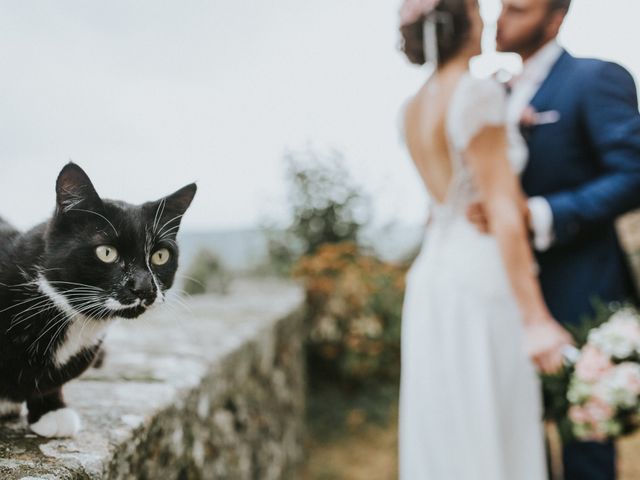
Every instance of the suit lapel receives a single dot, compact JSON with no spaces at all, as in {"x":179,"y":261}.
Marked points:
{"x":544,"y":96}
{"x":545,"y":99}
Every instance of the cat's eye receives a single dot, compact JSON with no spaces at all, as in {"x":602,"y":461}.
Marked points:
{"x":107,"y":253}
{"x":160,"y":257}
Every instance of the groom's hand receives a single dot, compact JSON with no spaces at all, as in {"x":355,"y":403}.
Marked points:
{"x":477,"y":215}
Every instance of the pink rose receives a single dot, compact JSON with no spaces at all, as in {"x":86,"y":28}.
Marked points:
{"x":597,"y":411}
{"x":593,"y":364}
{"x":592,"y":417}
{"x":412,"y":10}
{"x":577,"y":414}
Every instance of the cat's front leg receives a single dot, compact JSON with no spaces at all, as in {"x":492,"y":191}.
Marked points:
{"x":101,"y":354}
{"x":50,"y":417}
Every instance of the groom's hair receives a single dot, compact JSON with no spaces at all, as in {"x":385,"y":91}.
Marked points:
{"x":559,"y":5}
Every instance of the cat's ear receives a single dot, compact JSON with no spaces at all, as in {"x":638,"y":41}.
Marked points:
{"x":74,"y":190}
{"x":180,"y":200}
{"x":166,"y":214}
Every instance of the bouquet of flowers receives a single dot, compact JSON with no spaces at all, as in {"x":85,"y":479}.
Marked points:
{"x":597,"y":396}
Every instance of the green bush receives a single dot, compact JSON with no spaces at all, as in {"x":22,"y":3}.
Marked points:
{"x":354,"y":305}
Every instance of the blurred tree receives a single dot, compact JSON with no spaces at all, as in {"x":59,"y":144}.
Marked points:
{"x":354,"y":299}
{"x":207,"y":274}
{"x":326,"y":207}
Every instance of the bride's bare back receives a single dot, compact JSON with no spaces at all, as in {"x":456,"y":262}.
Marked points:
{"x":426,"y":135}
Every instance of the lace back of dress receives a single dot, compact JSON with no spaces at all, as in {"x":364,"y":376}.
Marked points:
{"x":460,"y":192}
{"x":475,"y":104}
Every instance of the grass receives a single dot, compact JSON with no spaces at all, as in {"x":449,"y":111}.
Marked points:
{"x":368,"y":454}
{"x":353,"y":435}
{"x":352,"y":432}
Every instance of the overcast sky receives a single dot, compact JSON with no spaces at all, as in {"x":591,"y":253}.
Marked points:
{"x":148,"y":96}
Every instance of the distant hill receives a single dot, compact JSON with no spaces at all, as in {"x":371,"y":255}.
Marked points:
{"x":237,"y":249}
{"x":242,"y":250}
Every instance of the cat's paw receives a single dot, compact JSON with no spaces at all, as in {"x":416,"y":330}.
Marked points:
{"x":64,"y":422}
{"x":10,"y":409}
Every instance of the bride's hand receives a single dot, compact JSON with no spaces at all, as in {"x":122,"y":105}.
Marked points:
{"x":544,"y":341}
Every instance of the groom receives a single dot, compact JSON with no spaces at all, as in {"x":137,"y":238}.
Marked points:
{"x":580,"y":118}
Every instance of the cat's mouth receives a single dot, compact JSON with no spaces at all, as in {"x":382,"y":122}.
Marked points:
{"x":129,"y":310}
{"x":132,"y":312}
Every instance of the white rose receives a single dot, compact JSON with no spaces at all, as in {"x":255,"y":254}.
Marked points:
{"x":619,"y":337}
{"x":578,"y":391}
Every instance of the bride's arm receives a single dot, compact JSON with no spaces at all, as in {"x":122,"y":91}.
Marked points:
{"x":505,"y":207}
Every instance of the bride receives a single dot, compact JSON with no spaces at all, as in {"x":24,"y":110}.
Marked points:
{"x":475,"y":325}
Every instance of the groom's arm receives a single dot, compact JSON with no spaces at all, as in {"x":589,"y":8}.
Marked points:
{"x":612,"y":121}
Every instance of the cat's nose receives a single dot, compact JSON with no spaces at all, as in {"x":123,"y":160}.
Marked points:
{"x":141,"y":286}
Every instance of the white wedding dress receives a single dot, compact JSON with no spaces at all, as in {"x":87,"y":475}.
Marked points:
{"x":470,"y":401}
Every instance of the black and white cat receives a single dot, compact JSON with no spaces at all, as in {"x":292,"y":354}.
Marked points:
{"x":63,"y":282}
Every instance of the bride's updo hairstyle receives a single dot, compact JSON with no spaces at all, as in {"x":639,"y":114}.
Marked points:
{"x":452,"y":32}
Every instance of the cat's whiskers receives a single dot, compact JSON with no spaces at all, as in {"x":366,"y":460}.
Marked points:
{"x":60,"y":317}
{"x":67,"y":320}
{"x":37,"y":308}
{"x":62,"y":322}
{"x":63,"y":302}
{"x":42,"y":300}
{"x":181,"y":291}
{"x":159,"y":213}
{"x":55,"y":336}
{"x":15,"y":284}
{"x":22,"y":320}
{"x":19,"y":286}
{"x":193,"y":279}
{"x":177,"y":313}
{"x":170,"y":232}
{"x":94,"y":312}
{"x":41,"y":305}
{"x":73,"y":199}
{"x":85,"y":318}
{"x":39,"y":296}
{"x":166,"y":228}
{"x":171,"y":241}
{"x":94,"y":213}
{"x":64,"y":282}
{"x":174,"y":298}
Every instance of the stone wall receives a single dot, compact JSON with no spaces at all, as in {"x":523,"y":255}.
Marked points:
{"x":210,"y":389}
{"x":629,"y":229}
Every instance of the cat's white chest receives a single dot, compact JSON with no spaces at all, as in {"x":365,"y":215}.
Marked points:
{"x":81,"y":334}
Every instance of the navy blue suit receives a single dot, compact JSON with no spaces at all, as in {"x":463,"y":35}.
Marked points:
{"x":587,"y":166}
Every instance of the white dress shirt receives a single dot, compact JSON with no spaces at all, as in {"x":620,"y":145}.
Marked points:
{"x":523,"y":88}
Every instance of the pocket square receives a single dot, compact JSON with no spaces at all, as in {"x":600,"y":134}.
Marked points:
{"x":548,"y":117}
{"x":532,"y":118}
